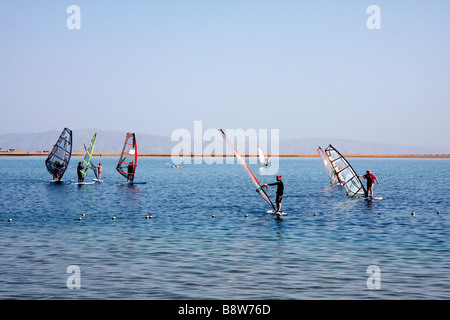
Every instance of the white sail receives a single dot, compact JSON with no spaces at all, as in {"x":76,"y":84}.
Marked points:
{"x":328,"y":167}
{"x":262,"y":158}
{"x":345,"y":173}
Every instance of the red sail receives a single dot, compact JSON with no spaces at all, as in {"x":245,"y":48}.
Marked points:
{"x":128,"y":158}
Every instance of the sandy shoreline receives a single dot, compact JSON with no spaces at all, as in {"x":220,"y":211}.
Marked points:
{"x":111,"y":154}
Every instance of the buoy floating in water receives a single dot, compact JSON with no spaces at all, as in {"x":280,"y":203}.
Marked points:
{"x":83,"y":214}
{"x":9,"y":220}
{"x":413,"y":214}
{"x":113,"y":218}
{"x":213,"y":216}
{"x":438,"y":212}
{"x":246,"y":215}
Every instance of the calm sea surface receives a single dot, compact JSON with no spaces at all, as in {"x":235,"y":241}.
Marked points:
{"x":184,"y":253}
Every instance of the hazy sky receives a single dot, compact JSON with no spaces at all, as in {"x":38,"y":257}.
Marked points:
{"x":312,"y":69}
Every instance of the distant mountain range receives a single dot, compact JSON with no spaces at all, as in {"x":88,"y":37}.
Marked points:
{"x":112,"y":141}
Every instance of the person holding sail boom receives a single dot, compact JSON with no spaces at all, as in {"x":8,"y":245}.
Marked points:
{"x":280,"y":191}
{"x":370,"y":177}
{"x":99,"y":168}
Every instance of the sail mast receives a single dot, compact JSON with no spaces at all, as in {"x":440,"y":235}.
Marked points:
{"x":249,"y":172}
{"x":334,"y":180}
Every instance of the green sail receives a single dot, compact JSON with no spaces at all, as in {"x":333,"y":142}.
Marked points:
{"x":87,"y":157}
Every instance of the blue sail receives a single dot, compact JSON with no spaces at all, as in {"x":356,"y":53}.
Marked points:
{"x":58,"y":159}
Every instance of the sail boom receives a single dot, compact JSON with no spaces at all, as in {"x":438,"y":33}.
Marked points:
{"x":57,"y":156}
{"x":127,"y":163}
{"x":126,"y":173}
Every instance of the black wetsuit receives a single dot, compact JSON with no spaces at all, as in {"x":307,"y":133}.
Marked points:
{"x":280,"y":190}
{"x":79,"y":172}
{"x":130,"y":172}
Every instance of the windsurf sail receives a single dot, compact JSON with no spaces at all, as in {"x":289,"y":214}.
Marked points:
{"x":58,"y":159}
{"x":249,"y":172}
{"x":87,"y":157}
{"x":92,"y":165}
{"x":94,"y":169}
{"x":262,"y":158}
{"x":345,"y":173}
{"x":328,"y":167}
{"x":128,"y":158}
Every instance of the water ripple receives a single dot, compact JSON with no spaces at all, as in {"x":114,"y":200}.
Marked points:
{"x":321,"y":250}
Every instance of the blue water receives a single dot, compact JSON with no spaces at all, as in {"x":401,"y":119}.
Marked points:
{"x":184,"y":253}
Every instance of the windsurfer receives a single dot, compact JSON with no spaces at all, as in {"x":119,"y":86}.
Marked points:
{"x":130,"y":172}
{"x":80,"y":172}
{"x":58,"y":165}
{"x":99,"y":167}
{"x":370,"y":177}
{"x":280,"y":191}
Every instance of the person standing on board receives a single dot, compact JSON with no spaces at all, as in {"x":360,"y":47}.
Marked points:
{"x":130,"y":172}
{"x":99,"y":167}
{"x":280,"y":190}
{"x":80,"y":172}
{"x":58,"y":167}
{"x":370,"y":177}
